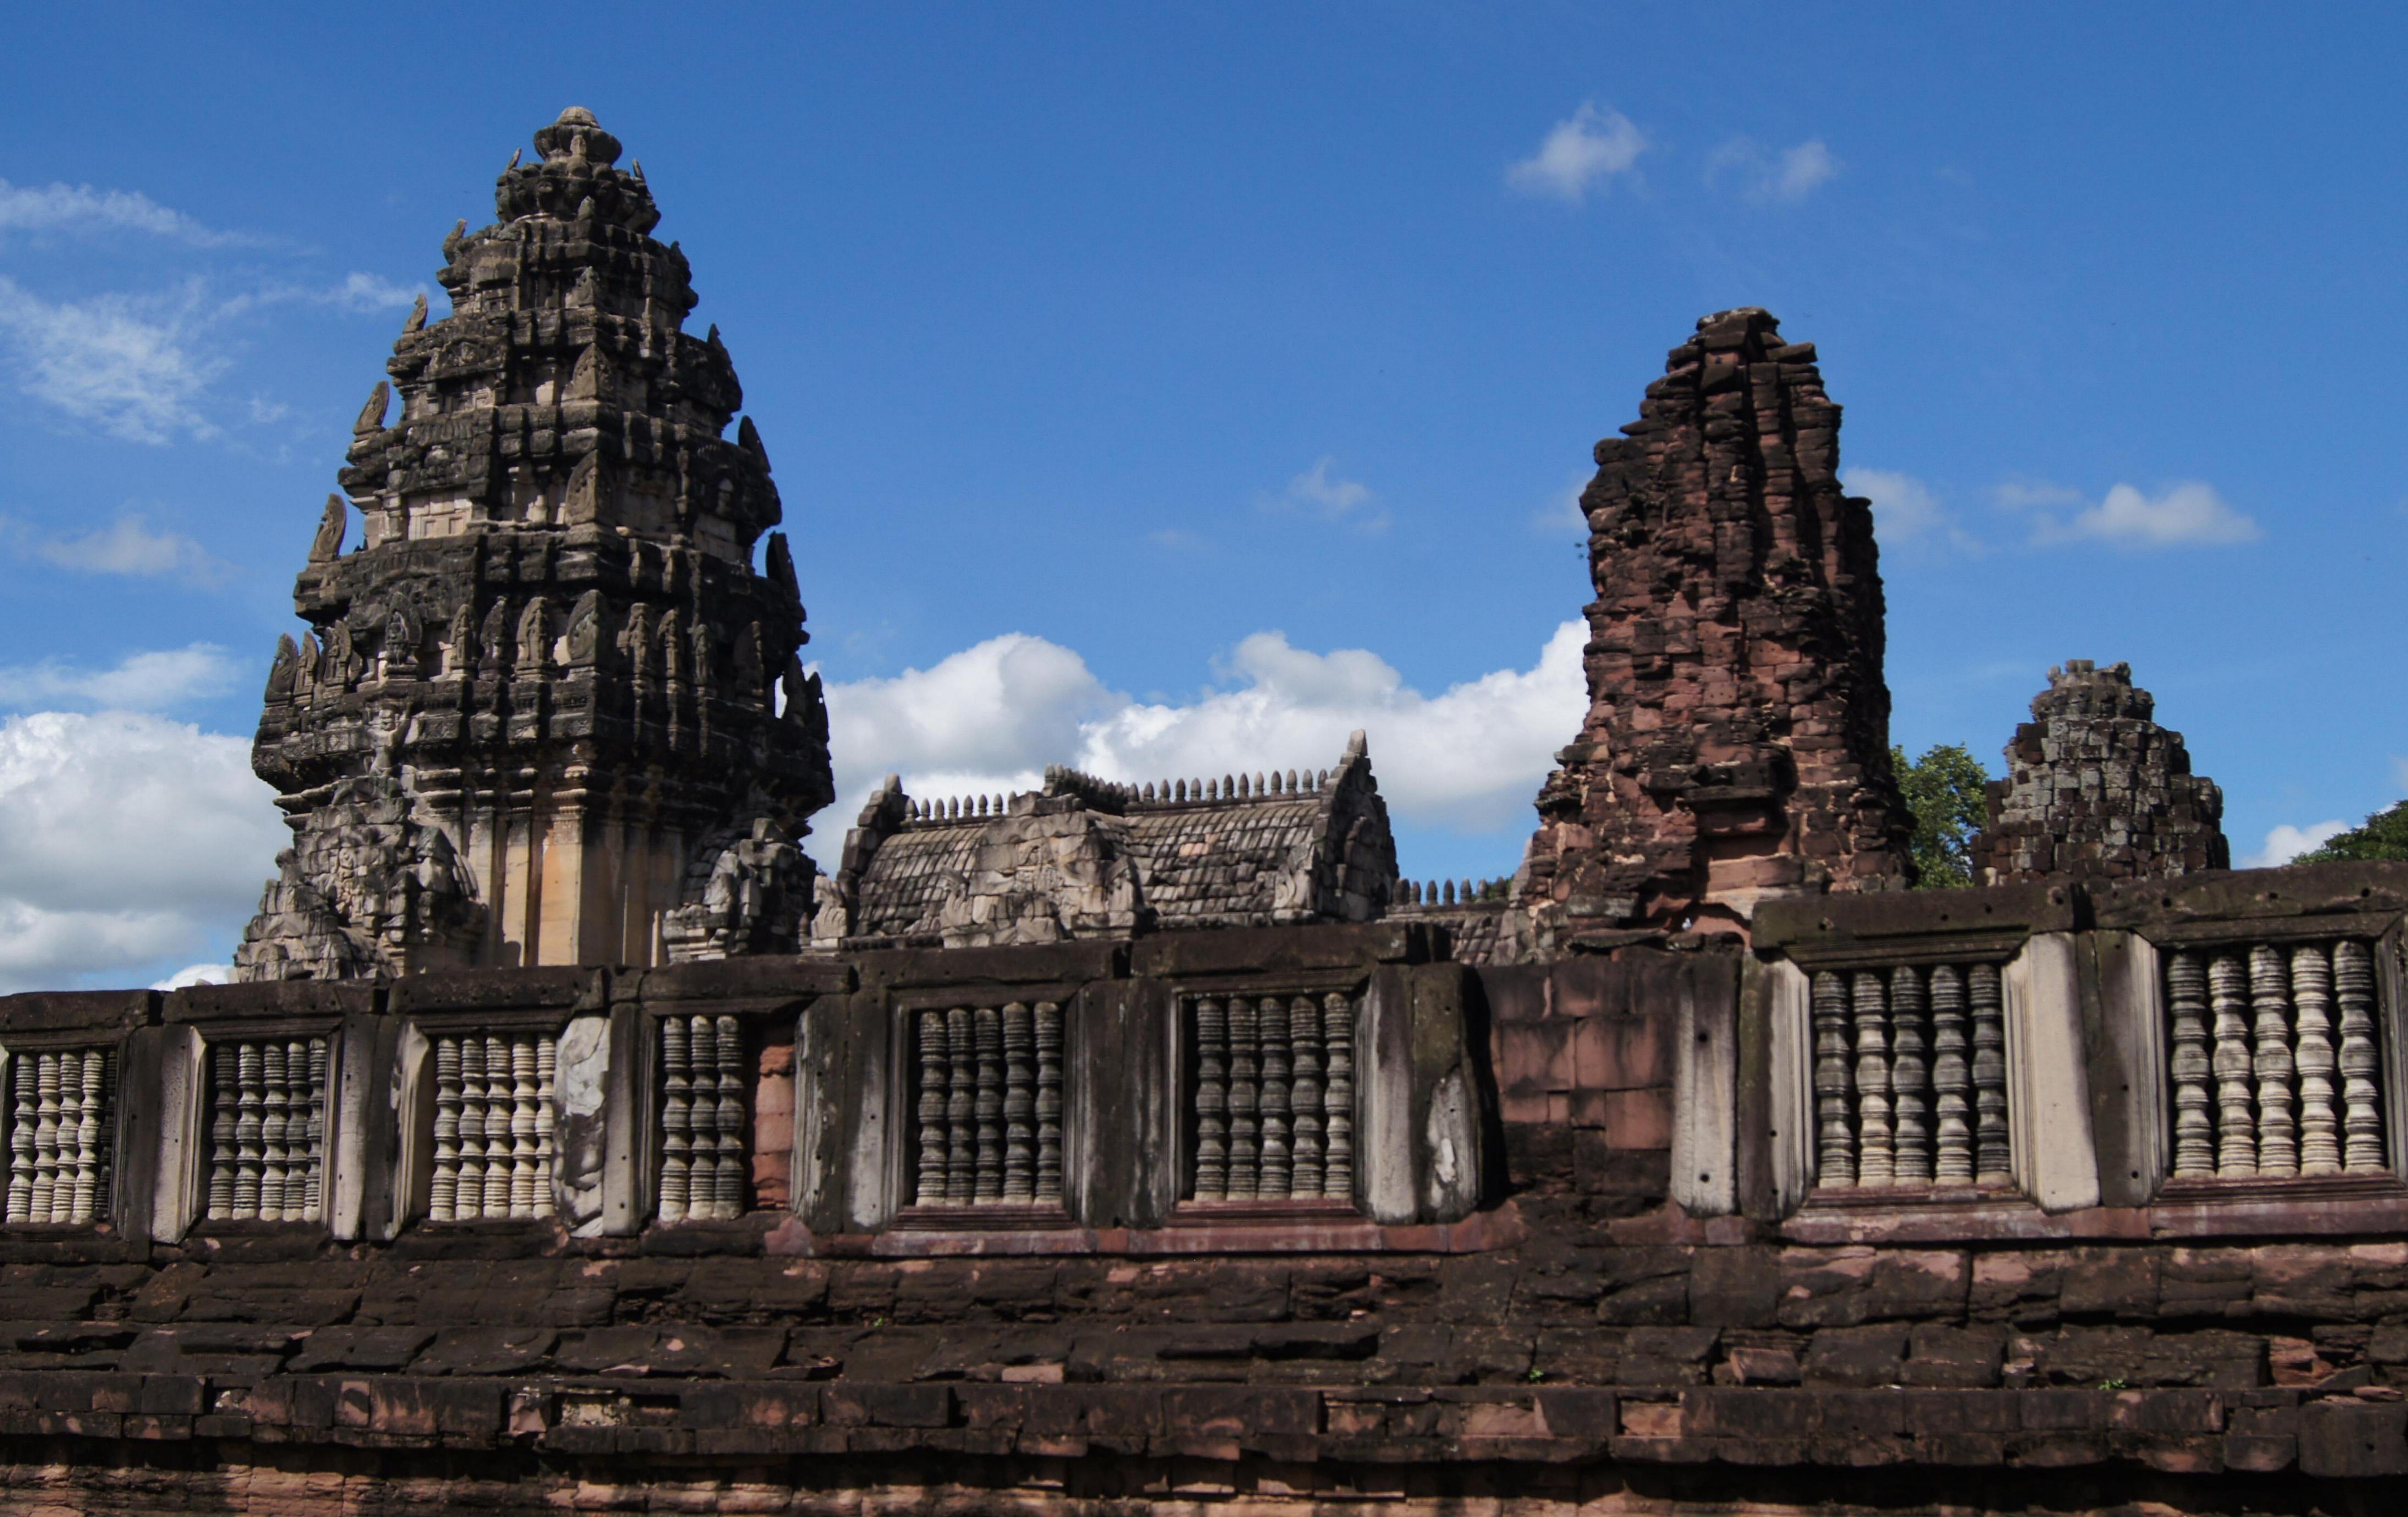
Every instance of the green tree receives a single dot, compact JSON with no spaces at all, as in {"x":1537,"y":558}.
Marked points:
{"x":2384,"y":835}
{"x":1943,"y":790}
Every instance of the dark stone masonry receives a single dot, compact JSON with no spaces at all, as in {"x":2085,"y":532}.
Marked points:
{"x":573,"y":1145}
{"x":2096,"y":788}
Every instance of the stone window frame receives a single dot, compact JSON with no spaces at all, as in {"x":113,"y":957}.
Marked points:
{"x":2134,"y":1016}
{"x":415,"y":1107}
{"x":122,"y":1127}
{"x":180,"y":1203}
{"x":2052,"y":1152}
{"x":1179,"y":1138}
{"x":903,"y":1212}
{"x":755,"y":1016}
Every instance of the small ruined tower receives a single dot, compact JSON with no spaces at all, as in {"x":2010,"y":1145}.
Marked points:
{"x":1737,"y":743}
{"x":548,"y":712}
{"x":2097,"y":789}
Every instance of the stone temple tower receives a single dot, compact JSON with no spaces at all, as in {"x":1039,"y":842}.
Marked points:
{"x":547,"y":712}
{"x":2097,"y":789}
{"x":1737,"y":743}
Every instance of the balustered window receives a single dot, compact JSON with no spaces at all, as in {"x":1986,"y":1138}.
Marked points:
{"x":1271,"y":1098}
{"x":705,"y":1171}
{"x":492,"y":1127}
{"x":988,"y":1095}
{"x":267,"y":1130}
{"x":60,"y":1135}
{"x":2275,"y":1061}
{"x":1910,"y":1076}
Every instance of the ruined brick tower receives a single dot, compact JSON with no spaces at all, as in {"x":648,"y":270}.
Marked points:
{"x":1737,"y":743}
{"x":2097,"y":789}
{"x":548,"y":712}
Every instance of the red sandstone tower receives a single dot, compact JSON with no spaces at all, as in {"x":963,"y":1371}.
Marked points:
{"x":1737,"y":744}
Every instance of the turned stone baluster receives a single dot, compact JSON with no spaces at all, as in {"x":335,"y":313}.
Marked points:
{"x":1910,"y":1076}
{"x":988,"y":1021}
{"x":63,"y":1188}
{"x":1048,"y":1102}
{"x":2236,"y":1122}
{"x":1951,"y":1076}
{"x":1338,"y":1097}
{"x":45,"y":1135}
{"x":442,"y":1189}
{"x":225,"y":1100}
{"x":1876,"y":1153}
{"x":677,"y":1120}
{"x":1212,"y":1099}
{"x":547,"y":1074}
{"x":2189,"y":1065}
{"x":475,"y":1151}
{"x":1835,"y":1138}
{"x":91,"y":1138}
{"x":1278,"y":1065}
{"x":275,"y":1142}
{"x":2359,"y":1059}
{"x":728,"y":1194}
{"x":1019,"y":1104}
{"x":929,"y":1189}
{"x":314,"y":1194}
{"x":522,"y":1103}
{"x":1245,"y":1099}
{"x":2271,"y":1061}
{"x":499,"y":1100}
{"x":2319,"y":1116}
{"x":20,"y":1142}
{"x":246,"y":1133}
{"x":1993,"y":1156}
{"x":1309,"y":1144}
{"x":961,"y":1106}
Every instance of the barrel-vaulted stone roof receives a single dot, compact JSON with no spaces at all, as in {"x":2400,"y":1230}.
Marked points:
{"x":1083,"y":857}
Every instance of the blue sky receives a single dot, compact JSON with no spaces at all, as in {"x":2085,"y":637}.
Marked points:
{"x":1178,"y":385}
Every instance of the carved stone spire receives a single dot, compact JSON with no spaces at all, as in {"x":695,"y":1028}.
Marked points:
{"x":1737,"y":743}
{"x":558,"y":473}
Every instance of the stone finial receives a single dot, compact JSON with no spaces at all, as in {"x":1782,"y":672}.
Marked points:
{"x":372,"y":414}
{"x":327,"y":545}
{"x":417,"y":322}
{"x":577,"y":134}
{"x":2096,"y":788}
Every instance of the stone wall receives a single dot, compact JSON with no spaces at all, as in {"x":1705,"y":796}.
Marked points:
{"x":1639,"y":1307}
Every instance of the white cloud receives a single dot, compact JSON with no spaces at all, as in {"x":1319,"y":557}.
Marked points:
{"x":1590,"y":146}
{"x":1904,"y":508}
{"x":131,"y":546}
{"x":145,"y":681}
{"x":197,"y":974}
{"x":79,"y":208}
{"x":2288,"y":842}
{"x":989,"y":719}
{"x":1788,"y":176}
{"x":1322,"y":492}
{"x":1562,"y":512}
{"x":1803,"y":169}
{"x":2188,"y":514}
{"x":127,"y":843}
{"x":367,"y":292}
{"x":121,"y":362}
